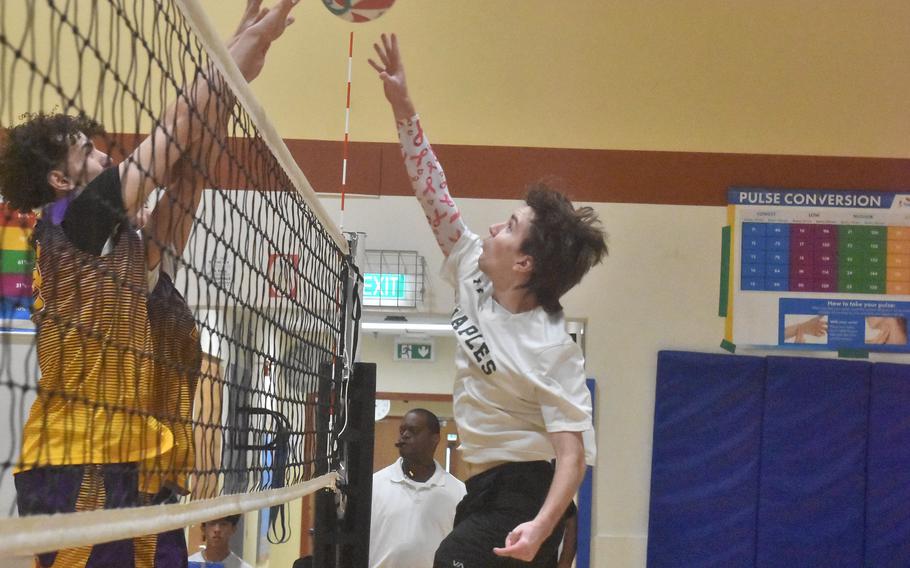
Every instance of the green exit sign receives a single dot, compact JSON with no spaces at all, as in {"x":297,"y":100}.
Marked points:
{"x":384,"y":289}
{"x":407,"y":349}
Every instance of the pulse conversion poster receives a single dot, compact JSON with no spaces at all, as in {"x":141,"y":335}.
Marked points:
{"x":817,"y":269}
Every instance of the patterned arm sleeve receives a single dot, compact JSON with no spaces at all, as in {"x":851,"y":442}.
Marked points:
{"x":429,"y":184}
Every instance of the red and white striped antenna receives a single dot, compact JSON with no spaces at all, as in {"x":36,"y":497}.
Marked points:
{"x":347,"y":125}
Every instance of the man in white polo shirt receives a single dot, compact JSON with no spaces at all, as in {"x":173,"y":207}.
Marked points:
{"x":414,"y":499}
{"x":520,"y":398}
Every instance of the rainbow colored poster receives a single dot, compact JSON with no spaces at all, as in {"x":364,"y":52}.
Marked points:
{"x":815,"y":269}
{"x":16,"y":262}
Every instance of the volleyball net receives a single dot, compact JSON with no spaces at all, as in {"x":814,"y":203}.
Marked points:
{"x":211,"y":384}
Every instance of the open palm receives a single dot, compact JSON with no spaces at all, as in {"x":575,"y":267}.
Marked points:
{"x":391,"y":71}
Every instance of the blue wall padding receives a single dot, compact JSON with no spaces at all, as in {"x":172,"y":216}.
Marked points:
{"x":813,"y":462}
{"x":704,"y":480}
{"x":780,"y":462}
{"x":888,"y":481}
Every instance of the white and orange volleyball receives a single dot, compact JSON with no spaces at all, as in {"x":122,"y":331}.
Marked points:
{"x":358,"y":11}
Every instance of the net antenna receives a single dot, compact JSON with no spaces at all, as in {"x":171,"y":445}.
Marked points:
{"x":217,"y":379}
{"x":353,"y":298}
{"x":347,"y":129}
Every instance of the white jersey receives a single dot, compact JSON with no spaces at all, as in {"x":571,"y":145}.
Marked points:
{"x":517,"y":376}
{"x":410,"y":518}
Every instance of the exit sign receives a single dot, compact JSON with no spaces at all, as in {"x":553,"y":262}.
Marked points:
{"x":382,"y":289}
{"x":408,"y":349}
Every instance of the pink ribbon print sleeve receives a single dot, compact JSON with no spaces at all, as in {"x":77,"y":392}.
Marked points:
{"x":429,"y":184}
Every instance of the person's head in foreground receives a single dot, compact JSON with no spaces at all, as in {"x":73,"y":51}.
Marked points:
{"x":217,"y":535}
{"x":48,"y":157}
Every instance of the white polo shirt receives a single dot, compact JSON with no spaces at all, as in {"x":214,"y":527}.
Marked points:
{"x":409,"y":519}
{"x":517,"y":376}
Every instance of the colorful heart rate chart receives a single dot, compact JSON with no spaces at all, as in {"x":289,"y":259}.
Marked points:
{"x":17,"y":259}
{"x":815,"y":269}
{"x":825,"y":258}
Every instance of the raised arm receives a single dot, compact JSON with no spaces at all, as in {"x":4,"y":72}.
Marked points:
{"x":424,"y":170}
{"x":171,"y":221}
{"x":185,"y":122}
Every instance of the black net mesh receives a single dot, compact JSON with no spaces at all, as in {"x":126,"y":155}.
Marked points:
{"x":218,"y":372}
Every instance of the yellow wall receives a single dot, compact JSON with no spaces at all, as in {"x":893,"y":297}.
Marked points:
{"x":815,"y":77}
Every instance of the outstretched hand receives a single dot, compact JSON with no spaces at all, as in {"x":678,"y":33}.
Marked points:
{"x":258,"y":28}
{"x":268,"y":23}
{"x":391,"y":71}
{"x":523,"y":542}
{"x":253,"y":13}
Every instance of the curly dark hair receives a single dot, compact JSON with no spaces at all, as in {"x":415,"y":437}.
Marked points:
{"x":564,"y":242}
{"x":31,"y":149}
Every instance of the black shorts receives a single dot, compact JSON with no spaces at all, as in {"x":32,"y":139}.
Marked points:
{"x":499,"y":500}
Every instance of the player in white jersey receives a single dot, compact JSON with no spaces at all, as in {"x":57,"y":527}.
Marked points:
{"x":520,"y":398}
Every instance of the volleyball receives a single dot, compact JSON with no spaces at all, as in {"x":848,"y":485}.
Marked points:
{"x":358,"y":11}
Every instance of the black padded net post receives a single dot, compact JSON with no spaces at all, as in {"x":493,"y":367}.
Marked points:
{"x":202,"y":379}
